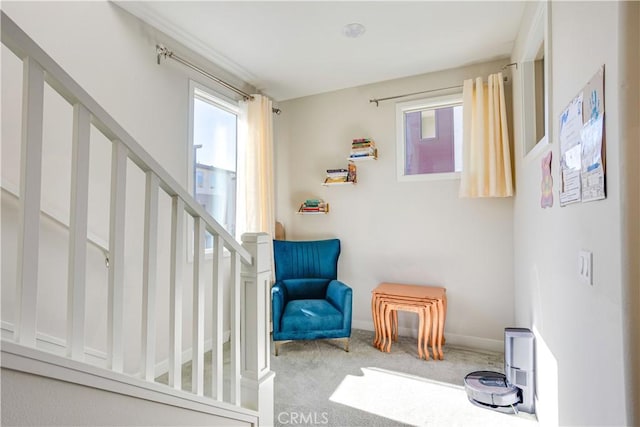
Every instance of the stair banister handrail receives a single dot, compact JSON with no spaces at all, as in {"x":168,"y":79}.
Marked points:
{"x":23,"y":46}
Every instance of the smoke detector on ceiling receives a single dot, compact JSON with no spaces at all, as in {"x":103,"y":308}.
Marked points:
{"x":353,"y":30}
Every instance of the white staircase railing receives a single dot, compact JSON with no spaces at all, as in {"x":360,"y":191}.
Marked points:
{"x":251,"y":381}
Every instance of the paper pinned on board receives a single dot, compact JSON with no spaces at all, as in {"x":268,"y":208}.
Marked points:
{"x":592,"y":172}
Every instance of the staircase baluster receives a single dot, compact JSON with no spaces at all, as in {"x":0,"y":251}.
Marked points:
{"x":234,"y":296}
{"x":115,"y":350}
{"x":29,"y":216}
{"x":197,"y":342}
{"x":175,"y":293}
{"x":216,"y":350}
{"x":150,"y":263}
{"x":78,"y":232}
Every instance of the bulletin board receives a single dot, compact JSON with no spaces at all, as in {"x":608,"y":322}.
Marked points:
{"x":582,"y":145}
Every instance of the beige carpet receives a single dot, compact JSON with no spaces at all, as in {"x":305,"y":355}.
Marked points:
{"x":317,"y":383}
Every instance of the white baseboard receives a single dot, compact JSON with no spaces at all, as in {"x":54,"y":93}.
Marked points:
{"x":477,"y":343}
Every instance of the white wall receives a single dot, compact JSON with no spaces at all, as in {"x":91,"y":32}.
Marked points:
{"x":112,"y":56}
{"x":65,"y":404}
{"x":630,"y":158}
{"x":581,"y":372}
{"x":409,"y":232}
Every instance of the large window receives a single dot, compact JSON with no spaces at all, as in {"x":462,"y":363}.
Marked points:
{"x":214,"y":160}
{"x":429,"y":138}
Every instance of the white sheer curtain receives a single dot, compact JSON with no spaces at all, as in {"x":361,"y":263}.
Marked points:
{"x":486,"y":164}
{"x":255,"y":177}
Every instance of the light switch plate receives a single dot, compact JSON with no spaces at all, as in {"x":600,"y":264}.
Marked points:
{"x":585,"y":267}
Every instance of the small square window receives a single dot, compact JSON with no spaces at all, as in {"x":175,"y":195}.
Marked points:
{"x":429,"y":138}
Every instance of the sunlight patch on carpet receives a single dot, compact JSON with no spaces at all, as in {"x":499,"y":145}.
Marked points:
{"x":417,"y":401}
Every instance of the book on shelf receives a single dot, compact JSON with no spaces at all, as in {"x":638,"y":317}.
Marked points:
{"x":314,"y":206}
{"x":371,"y":153}
{"x":340,"y":176}
{"x":363,"y":147}
{"x":363,"y":150}
{"x":337,"y":176}
{"x":336,"y":171}
{"x":361,"y":140}
{"x":313,"y":203}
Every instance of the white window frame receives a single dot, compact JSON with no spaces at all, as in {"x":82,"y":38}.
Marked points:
{"x":225,"y":103}
{"x":420,"y":104}
{"x":537,"y":36}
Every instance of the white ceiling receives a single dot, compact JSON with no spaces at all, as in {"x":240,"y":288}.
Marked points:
{"x":293,"y":49}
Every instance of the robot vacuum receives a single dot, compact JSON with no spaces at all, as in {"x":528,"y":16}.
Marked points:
{"x":514,"y":391}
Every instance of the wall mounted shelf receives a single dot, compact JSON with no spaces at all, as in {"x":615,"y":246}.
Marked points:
{"x":311,"y":213}
{"x":313,"y":207}
{"x":331,"y":184}
{"x":362,"y":158}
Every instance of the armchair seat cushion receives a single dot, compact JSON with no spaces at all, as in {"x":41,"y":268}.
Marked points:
{"x":309,"y":315}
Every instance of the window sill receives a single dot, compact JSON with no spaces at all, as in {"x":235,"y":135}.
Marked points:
{"x":537,"y":149}
{"x":429,"y":177}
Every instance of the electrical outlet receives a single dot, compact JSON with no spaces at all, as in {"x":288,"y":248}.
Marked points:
{"x":585,"y":264}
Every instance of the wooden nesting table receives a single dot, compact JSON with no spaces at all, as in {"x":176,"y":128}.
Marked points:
{"x":429,"y":302}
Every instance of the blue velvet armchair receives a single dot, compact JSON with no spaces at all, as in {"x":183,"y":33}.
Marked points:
{"x":308,"y":302}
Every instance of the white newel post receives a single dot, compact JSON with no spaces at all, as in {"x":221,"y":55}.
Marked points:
{"x":257,"y":377}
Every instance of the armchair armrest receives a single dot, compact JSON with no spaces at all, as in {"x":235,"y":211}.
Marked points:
{"x":279,"y":298}
{"x":340,"y":296}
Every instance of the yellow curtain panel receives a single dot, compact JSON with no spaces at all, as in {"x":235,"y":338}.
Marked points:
{"x":486,"y":164}
{"x":258,"y":173}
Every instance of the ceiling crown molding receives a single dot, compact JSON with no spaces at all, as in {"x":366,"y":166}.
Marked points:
{"x":144,"y":13}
